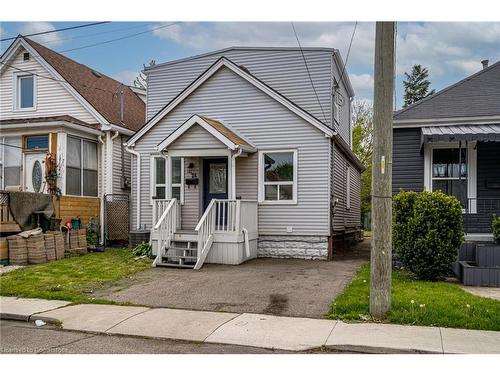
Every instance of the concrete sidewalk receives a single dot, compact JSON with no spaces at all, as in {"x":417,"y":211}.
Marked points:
{"x":255,"y":330}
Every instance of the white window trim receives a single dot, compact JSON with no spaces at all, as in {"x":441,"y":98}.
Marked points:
{"x":152,"y":176}
{"x":81,"y":167}
{"x":16,"y":93}
{"x":471,"y":169}
{"x":348,"y":188}
{"x":181,"y":184}
{"x":261,"y":181}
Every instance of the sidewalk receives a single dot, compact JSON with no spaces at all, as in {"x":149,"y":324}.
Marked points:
{"x":264,"y":331}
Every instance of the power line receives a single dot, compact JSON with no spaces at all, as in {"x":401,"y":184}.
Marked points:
{"x":349,"y":50}
{"x":57,"y":30}
{"x":308,"y":73}
{"x":121,"y":38}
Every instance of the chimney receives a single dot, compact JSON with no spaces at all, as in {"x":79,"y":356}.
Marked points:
{"x":485,"y":63}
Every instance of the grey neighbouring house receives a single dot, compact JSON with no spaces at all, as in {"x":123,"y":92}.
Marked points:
{"x":450,"y":141}
{"x":242,"y":156}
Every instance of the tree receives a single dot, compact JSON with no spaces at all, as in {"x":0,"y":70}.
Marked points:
{"x":362,"y":146}
{"x":140,"y":80}
{"x":416,"y":85}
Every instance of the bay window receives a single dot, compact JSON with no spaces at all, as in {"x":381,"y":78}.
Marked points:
{"x":10,"y":160}
{"x":81,"y":167}
{"x":278,"y":176}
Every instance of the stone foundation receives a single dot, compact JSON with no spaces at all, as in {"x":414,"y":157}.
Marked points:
{"x":304,"y":247}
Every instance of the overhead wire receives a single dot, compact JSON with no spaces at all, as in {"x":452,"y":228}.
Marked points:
{"x":58,"y":30}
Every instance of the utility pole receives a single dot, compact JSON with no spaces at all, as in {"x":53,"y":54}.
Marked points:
{"x":381,"y":252}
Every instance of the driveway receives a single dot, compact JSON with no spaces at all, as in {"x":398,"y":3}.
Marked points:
{"x":288,"y":287}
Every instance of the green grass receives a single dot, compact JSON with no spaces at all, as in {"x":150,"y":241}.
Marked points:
{"x":440,"y":304}
{"x":72,"y":279}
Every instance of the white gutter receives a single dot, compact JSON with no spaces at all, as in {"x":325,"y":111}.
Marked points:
{"x":138,"y":189}
{"x":233,"y":172}
{"x":101,"y":141}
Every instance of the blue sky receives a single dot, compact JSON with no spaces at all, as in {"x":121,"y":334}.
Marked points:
{"x":451,"y":51}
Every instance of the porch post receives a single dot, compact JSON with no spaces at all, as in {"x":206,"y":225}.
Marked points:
{"x":168,"y":176}
{"x":231,"y":177}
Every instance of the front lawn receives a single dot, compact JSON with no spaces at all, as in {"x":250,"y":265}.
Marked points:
{"x":72,"y":279}
{"x":440,"y":304}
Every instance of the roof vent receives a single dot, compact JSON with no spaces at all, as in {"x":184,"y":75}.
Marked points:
{"x":97,"y":74}
{"x":485,"y":63}
{"x":26,"y":56}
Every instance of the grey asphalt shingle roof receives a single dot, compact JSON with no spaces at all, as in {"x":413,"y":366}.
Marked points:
{"x":475,"y":96}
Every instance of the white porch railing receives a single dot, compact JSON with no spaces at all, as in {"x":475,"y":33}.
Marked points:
{"x":165,"y":226}
{"x":224,"y":216}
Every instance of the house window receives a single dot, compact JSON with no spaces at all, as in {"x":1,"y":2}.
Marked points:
{"x":177,"y":179}
{"x":278,"y":176}
{"x":348,"y":188}
{"x":336,"y":107}
{"x":10,"y":162}
{"x":37,"y":142}
{"x":24,"y":91}
{"x":159,"y":177}
{"x":450,"y":172}
{"x":81,"y":167}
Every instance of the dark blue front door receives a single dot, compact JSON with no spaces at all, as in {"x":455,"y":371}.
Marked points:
{"x":214,"y":180}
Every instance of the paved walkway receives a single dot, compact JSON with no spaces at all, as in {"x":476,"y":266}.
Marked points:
{"x":254,"y":330}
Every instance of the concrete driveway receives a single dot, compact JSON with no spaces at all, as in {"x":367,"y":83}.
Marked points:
{"x":287,"y":287}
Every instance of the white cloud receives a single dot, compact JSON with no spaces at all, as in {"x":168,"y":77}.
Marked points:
{"x":126,"y":76}
{"x":35,"y":27}
{"x":363,"y":85}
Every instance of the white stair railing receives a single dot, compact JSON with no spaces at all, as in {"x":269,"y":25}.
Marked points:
{"x":165,"y":227}
{"x":205,"y":230}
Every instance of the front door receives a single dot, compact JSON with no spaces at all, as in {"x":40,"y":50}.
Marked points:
{"x":214,"y":180}
{"x":34,"y":172}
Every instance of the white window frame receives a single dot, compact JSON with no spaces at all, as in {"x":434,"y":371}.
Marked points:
{"x":262,"y":182}
{"x":471,"y":168}
{"x":81,"y":166}
{"x":348,"y":188}
{"x":179,"y":185}
{"x":16,"y":92}
{"x":152,"y":175}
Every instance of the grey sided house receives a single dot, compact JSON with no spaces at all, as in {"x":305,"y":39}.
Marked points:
{"x":450,"y":141}
{"x":243,"y":155}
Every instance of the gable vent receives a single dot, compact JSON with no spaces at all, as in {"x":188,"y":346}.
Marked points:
{"x":26,"y":56}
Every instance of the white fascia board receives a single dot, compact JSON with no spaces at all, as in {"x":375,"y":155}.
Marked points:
{"x":223,"y":62}
{"x":195,"y":119}
{"x":446,"y":121}
{"x":50,"y":124}
{"x":8,"y":54}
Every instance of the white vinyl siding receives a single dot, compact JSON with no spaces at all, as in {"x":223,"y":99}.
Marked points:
{"x":269,"y":125}
{"x":51,"y":98}
{"x":118,"y":170}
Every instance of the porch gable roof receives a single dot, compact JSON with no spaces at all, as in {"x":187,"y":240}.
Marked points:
{"x":225,"y":62}
{"x":222,"y":132}
{"x":483,"y":133}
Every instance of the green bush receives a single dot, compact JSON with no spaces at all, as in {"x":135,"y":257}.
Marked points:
{"x":143,"y":249}
{"x":495,"y":225}
{"x":427,"y":232}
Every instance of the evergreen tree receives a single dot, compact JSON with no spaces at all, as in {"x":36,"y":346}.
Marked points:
{"x":416,"y":85}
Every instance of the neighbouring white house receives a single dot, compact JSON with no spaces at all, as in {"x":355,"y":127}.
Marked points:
{"x":246,"y":152}
{"x":60,"y":116}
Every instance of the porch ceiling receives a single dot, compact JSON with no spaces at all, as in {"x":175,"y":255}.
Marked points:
{"x":482,"y":133}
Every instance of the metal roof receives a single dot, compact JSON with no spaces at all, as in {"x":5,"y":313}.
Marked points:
{"x":483,"y":133}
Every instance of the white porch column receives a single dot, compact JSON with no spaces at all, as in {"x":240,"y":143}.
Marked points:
{"x":231,"y":177}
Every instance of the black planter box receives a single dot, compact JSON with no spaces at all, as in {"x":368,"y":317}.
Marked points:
{"x":472,"y":274}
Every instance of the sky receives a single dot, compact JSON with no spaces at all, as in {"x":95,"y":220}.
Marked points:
{"x":451,"y":51}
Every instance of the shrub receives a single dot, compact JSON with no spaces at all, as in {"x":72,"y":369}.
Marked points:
{"x":495,"y":226}
{"x":143,"y":249}
{"x":427,"y":232}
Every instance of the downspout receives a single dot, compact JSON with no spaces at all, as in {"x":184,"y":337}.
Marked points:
{"x":138,"y":188}
{"x":109,"y":157}
{"x":101,"y":141}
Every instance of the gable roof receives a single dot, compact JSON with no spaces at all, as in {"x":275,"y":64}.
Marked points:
{"x":225,"y":62}
{"x":220,"y":131}
{"x":475,"y":96}
{"x":95,"y":88}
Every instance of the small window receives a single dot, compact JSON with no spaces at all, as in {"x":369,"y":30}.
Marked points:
{"x":36,"y":142}
{"x":10,"y":161}
{"x":277,"y":176}
{"x":348,"y":188}
{"x":159,"y":177}
{"x":449,"y":172}
{"x":26,"y":56}
{"x":177,"y":179}
{"x":25,"y":88}
{"x":336,"y":107}
{"x":81,"y":167}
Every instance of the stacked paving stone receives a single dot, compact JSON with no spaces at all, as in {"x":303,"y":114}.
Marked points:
{"x":82,"y":241}
{"x":36,"y":249}
{"x":50,"y":246}
{"x":74,"y":245}
{"x":18,"y":252}
{"x":59,"y":245}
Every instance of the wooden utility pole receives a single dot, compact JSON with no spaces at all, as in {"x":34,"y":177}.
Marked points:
{"x":381,"y":252}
